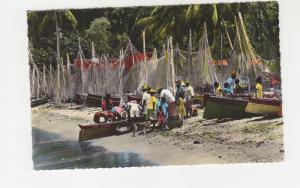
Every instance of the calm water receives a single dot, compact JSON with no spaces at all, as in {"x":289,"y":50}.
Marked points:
{"x":73,"y":154}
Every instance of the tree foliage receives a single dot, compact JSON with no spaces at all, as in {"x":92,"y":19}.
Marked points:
{"x":99,"y":33}
{"x":110,"y":28}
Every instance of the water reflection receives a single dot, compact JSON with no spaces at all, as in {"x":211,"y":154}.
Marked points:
{"x":72,"y":155}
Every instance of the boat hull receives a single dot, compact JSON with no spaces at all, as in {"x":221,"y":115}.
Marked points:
{"x":39,"y":101}
{"x":225,"y":107}
{"x":264,"y":106}
{"x":99,"y":130}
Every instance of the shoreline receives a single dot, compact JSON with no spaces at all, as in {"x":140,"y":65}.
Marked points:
{"x":198,"y":142}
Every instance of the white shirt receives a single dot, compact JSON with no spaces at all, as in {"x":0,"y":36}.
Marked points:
{"x":168,"y":95}
{"x":134,"y":109}
{"x":189,"y":92}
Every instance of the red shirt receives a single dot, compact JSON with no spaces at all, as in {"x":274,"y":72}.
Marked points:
{"x":105,"y":106}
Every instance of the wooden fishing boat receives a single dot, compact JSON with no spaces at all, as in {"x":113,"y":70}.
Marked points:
{"x":264,"y":106}
{"x":226,"y":107}
{"x":79,"y":99}
{"x":37,"y":102}
{"x":93,"y":100}
{"x":198,"y":99}
{"x":99,"y":130}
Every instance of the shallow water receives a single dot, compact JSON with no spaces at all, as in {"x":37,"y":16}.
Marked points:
{"x":72,"y":155}
{"x":52,"y":151}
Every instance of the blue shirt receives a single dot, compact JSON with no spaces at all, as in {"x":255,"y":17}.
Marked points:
{"x":164,"y":108}
{"x":230,"y":82}
{"x":179,"y":90}
{"x":227,"y":91}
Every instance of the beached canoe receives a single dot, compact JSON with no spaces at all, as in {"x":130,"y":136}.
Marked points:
{"x":225,"y":107}
{"x":37,"y":102}
{"x":99,"y":130}
{"x":79,"y":99}
{"x":264,"y":106}
{"x":96,"y":100}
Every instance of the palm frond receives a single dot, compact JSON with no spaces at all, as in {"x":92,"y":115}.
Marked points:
{"x":214,"y":14}
{"x":69,"y":15}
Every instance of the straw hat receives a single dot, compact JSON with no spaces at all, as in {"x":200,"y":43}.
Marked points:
{"x":152,"y":91}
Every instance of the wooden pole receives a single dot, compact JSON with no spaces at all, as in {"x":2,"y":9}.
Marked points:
{"x":227,"y":34}
{"x":172,"y":65}
{"x":145,"y":58}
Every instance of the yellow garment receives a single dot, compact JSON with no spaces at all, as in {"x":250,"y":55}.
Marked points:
{"x":259,"y":88}
{"x":181,"y":108}
{"x":218,"y":91}
{"x":152,"y":100}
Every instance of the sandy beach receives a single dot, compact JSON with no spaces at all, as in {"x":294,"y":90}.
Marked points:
{"x":199,"y":141}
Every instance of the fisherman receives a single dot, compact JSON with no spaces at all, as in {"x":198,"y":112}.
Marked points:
{"x":230,"y":81}
{"x":226,"y":89}
{"x":170,"y":99}
{"x":237,"y":87}
{"x":133,"y":109}
{"x":107,"y":103}
{"x":162,"y":109}
{"x":189,"y":93}
{"x":218,"y":89}
{"x":151,"y":105}
{"x":259,"y":88}
{"x":145,"y":99}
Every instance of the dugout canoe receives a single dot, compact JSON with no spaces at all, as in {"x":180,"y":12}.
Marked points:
{"x":264,"y":106}
{"x":99,"y":130}
{"x":225,"y":107}
{"x":79,"y":99}
{"x":37,"y":102}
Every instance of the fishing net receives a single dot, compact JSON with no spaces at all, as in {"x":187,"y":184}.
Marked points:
{"x":133,"y":69}
{"x":197,"y":67}
{"x":243,"y":59}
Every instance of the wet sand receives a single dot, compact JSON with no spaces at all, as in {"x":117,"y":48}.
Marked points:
{"x":257,"y":139}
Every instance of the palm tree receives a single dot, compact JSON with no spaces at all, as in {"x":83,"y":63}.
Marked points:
{"x":177,"y":20}
{"x":52,"y":16}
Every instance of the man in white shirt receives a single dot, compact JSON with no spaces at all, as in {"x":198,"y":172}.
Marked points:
{"x":134,"y":109}
{"x":169,"y":98}
{"x":145,"y":99}
{"x":189,"y":93}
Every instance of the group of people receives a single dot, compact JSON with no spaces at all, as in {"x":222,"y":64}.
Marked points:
{"x":161,"y":103}
{"x":232,"y":86}
{"x":156,"y":105}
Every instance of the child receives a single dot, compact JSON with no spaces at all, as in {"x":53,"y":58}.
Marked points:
{"x":162,"y":112}
{"x":107,"y":103}
{"x":226,"y":90}
{"x":161,"y":119}
{"x":181,"y":107}
{"x":237,"y":88}
{"x":218,"y":89}
{"x":151,"y":105}
{"x":189,"y":93}
{"x":259,"y":88}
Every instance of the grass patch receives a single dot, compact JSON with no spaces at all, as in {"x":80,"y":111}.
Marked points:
{"x":208,"y":135}
{"x":255,"y":129}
